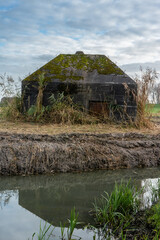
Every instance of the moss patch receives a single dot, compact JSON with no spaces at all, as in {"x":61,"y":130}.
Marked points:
{"x":70,"y":67}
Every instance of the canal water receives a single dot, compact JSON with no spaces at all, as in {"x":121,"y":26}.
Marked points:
{"x":26,"y":202}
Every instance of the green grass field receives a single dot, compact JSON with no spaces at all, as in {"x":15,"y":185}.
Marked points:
{"x":153,"y":109}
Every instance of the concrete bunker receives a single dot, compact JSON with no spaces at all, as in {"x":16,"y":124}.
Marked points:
{"x":94,"y":82}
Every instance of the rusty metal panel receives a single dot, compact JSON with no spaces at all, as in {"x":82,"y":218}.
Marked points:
{"x":98,"y":107}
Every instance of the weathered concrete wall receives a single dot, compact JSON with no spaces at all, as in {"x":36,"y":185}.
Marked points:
{"x":114,"y":95}
{"x":37,"y":154}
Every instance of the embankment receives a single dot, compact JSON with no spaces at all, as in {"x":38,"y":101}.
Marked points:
{"x":37,"y":154}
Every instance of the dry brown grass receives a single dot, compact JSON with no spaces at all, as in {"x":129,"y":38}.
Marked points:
{"x":144,"y":85}
{"x":52,"y":129}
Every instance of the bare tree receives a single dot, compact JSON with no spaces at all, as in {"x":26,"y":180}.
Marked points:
{"x":156,"y":92}
{"x":145,"y":83}
{"x":8,"y":86}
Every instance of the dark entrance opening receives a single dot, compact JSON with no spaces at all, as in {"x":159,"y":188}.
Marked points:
{"x":98,"y":108}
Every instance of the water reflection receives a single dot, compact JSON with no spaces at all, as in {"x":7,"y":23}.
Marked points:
{"x":5,"y":197}
{"x":149,"y":185}
{"x":25,"y":201}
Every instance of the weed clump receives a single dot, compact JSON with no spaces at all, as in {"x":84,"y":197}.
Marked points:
{"x":122,"y":213}
{"x":154,"y":218}
{"x":116,"y":210}
{"x":60,"y":110}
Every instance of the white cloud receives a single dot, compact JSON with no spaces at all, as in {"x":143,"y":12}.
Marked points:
{"x":32,"y":32}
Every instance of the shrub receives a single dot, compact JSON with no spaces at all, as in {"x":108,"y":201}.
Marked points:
{"x":12,"y":109}
{"x":60,"y":110}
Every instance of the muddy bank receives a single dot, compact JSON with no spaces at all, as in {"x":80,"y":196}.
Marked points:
{"x":37,"y":154}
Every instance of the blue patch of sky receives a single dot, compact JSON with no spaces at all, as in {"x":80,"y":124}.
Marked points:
{"x":3,"y":8}
{"x":76,"y":38}
{"x":7,"y":7}
{"x":43,"y":31}
{"x":63,"y":4}
{"x":2,"y":44}
{"x":103,"y":32}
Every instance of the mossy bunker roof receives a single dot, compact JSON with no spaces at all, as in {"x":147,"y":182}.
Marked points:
{"x":84,"y":68}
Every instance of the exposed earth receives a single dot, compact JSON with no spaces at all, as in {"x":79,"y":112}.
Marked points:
{"x":22,"y":154}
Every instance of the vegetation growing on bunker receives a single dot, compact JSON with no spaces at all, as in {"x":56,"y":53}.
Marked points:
{"x":70,"y":66}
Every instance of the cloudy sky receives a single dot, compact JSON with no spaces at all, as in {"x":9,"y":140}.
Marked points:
{"x":32,"y":32}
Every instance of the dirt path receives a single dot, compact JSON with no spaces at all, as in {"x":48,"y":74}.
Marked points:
{"x":52,"y":129}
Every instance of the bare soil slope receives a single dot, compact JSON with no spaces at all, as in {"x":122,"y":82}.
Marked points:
{"x":37,"y":154}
